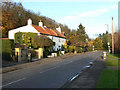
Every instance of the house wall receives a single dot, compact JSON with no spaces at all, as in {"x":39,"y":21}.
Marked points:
{"x":27,"y":28}
{"x":58,"y":42}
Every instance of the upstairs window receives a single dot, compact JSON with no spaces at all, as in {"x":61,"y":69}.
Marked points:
{"x":23,"y":36}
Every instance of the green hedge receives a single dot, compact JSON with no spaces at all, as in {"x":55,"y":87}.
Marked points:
{"x":71,"y":49}
{"x":7,"y":46}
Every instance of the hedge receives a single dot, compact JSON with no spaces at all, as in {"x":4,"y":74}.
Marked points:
{"x":7,"y":46}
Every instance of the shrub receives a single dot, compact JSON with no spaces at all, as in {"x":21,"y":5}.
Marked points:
{"x":71,"y":48}
{"x":7,"y":46}
{"x":46,"y":51}
{"x":42,"y":41}
{"x":78,"y":49}
{"x":34,"y":54}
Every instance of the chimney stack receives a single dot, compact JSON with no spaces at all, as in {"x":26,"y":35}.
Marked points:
{"x":59,"y":29}
{"x":40,"y":23}
{"x":29,"y":21}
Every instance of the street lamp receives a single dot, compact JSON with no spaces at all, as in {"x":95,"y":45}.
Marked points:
{"x":93,"y":47}
{"x":109,"y":47}
{"x":108,"y":38}
{"x":86,"y":44}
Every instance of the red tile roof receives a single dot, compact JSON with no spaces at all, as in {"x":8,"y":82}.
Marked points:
{"x":44,"y":30}
{"x":40,"y":29}
{"x":50,"y":31}
{"x":59,"y":34}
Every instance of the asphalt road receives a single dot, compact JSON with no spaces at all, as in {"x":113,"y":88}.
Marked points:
{"x":50,"y":74}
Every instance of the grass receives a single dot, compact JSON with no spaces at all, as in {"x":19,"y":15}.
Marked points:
{"x":112,"y":62}
{"x":116,"y":56}
{"x":108,"y":79}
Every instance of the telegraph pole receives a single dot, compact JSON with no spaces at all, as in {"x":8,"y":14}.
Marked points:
{"x":112,"y":38}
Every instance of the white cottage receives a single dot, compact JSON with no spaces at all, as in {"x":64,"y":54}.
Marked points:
{"x":55,"y":35}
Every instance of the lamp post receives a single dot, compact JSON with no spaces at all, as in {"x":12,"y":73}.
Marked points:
{"x":86,"y":44}
{"x":93,"y":47}
{"x":109,"y":47}
{"x":108,"y":38}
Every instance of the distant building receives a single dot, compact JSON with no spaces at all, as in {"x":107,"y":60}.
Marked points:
{"x":55,"y":35}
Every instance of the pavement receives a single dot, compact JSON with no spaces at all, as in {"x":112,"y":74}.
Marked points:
{"x":89,"y":78}
{"x":47,"y":73}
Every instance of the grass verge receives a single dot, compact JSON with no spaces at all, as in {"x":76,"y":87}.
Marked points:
{"x":111,"y":62}
{"x":116,"y":56}
{"x":108,"y":79}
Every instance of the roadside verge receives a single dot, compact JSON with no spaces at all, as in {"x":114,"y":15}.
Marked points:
{"x":88,"y":78}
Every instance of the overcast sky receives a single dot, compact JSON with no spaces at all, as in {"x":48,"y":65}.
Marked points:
{"x":93,"y":14}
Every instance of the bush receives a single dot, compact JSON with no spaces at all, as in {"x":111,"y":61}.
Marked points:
{"x":34,"y":54}
{"x":42,"y":41}
{"x":78,"y":49}
{"x":66,"y":50}
{"x":71,"y":48}
{"x":46,"y":52}
{"x":90,"y":48}
{"x":7,"y":46}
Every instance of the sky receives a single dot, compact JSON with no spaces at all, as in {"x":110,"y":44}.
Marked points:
{"x":93,"y":14}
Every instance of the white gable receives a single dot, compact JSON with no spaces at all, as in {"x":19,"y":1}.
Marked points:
{"x":27,"y":28}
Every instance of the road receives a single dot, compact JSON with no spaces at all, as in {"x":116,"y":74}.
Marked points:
{"x":48,"y":75}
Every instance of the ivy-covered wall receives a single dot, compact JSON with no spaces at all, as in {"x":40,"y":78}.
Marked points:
{"x":24,"y":38}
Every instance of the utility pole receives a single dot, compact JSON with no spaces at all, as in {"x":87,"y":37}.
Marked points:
{"x":112,"y":38}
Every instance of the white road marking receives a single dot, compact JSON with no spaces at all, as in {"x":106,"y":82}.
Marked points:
{"x":13,"y":82}
{"x":51,"y":68}
{"x":68,"y":62}
{"x":65,"y":64}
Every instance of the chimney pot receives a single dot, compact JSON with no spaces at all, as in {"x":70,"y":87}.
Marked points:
{"x":40,"y":23}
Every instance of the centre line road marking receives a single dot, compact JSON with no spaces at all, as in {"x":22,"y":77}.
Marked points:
{"x":50,"y":69}
{"x":68,"y":62}
{"x":55,"y":67}
{"x":13,"y":82}
{"x":63,"y":64}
